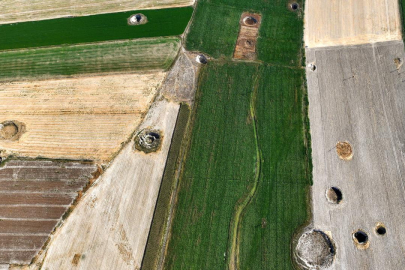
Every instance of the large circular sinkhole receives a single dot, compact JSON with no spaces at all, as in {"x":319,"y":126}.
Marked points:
{"x":344,"y":150}
{"x":380,"y":229}
{"x":148,"y":140}
{"x":360,"y":239}
{"x":249,"y":20}
{"x":8,"y":130}
{"x":334,"y":195}
{"x":314,"y":250}
{"x":11,"y":130}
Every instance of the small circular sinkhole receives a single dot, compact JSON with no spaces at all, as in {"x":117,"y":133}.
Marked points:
{"x":312,"y":67}
{"x":137,"y":19}
{"x":334,"y":195}
{"x":295,"y":6}
{"x":380,"y":229}
{"x":249,"y":20}
{"x":360,"y":239}
{"x":201,"y":59}
{"x":398,"y":62}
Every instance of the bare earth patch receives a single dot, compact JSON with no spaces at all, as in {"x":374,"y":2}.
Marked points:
{"x":344,"y":150}
{"x":247,"y":39}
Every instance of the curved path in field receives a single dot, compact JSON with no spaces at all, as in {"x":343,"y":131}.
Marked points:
{"x":240,"y":207}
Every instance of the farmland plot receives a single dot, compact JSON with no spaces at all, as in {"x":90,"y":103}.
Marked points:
{"x":18,"y":11}
{"x":280,"y":35}
{"x":218,"y":169}
{"x":96,"y":28}
{"x":221,"y":165}
{"x":94,"y":58}
{"x":79,"y":118}
{"x":279,"y":206}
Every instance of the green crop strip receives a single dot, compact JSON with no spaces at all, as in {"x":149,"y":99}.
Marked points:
{"x":120,"y":56}
{"x":95,"y":28}
{"x":235,"y":224}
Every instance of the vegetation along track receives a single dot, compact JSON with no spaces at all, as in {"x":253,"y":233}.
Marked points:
{"x":239,"y":209}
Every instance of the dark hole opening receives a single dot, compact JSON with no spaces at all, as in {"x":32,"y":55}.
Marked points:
{"x":202,"y":59}
{"x":361,"y":237}
{"x":138,"y":17}
{"x":381,"y":230}
{"x":250,"y":21}
{"x":334,"y":195}
{"x":154,"y":135}
{"x":294,"y":6}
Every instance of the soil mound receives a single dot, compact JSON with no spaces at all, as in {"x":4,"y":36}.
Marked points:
{"x":344,"y":150}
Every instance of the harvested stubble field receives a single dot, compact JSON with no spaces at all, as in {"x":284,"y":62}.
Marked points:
{"x":79,"y":118}
{"x":95,"y":28}
{"x":221,"y":166}
{"x":34,"y":10}
{"x":351,"y":22}
{"x":280,"y":35}
{"x":112,"y":57}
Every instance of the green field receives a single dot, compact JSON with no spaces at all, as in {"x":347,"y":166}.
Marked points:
{"x":215,"y":29}
{"x":243,"y":190}
{"x":221,"y":164}
{"x":95,"y":28}
{"x":120,"y":56}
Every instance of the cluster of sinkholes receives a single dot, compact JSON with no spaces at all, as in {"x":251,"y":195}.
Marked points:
{"x":334,"y":195}
{"x":315,"y":249}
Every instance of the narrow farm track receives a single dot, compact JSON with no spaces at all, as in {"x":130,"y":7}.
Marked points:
{"x":236,"y":220}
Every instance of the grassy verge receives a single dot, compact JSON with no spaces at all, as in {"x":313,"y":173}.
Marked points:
{"x":119,"y":56}
{"x":162,"y":209}
{"x":95,"y":28}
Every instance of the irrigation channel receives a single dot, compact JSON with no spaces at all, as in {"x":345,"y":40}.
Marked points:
{"x":235,"y":224}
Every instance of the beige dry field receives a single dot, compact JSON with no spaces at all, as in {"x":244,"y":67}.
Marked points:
{"x":342,"y":22}
{"x":22,"y":10}
{"x":114,"y":216}
{"x":80,"y":118}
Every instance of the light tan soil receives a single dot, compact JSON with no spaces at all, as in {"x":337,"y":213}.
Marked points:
{"x":343,"y":22}
{"x":110,"y":224}
{"x":21,"y":10}
{"x":81,"y":118}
